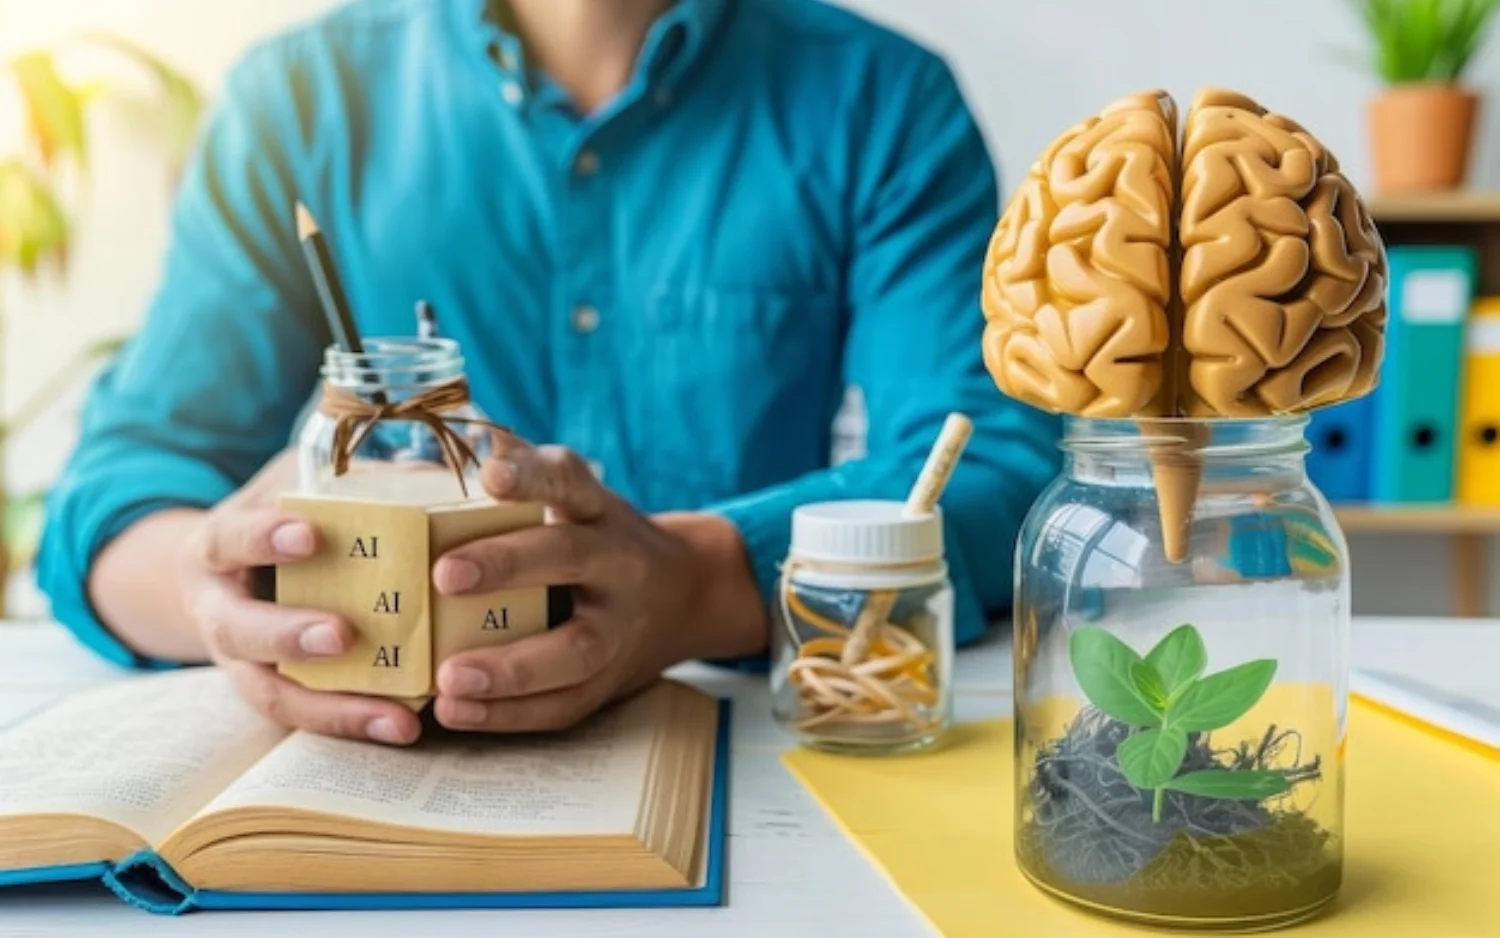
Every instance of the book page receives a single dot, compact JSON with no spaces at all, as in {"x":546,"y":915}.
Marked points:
{"x":145,"y":753}
{"x":587,"y":781}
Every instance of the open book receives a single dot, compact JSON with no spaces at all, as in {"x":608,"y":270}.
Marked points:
{"x":178,"y":795}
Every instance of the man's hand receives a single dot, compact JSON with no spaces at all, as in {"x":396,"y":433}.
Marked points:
{"x":247,"y":637}
{"x":648,"y":594}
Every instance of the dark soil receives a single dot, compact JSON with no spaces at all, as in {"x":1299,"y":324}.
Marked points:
{"x":1084,"y":823}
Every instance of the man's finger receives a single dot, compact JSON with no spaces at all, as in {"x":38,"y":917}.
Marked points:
{"x":539,"y":713}
{"x":343,"y":715}
{"x":254,"y":537}
{"x":539,"y":556}
{"x":238,"y":627}
{"x":564,"y":657}
{"x":553,"y":475}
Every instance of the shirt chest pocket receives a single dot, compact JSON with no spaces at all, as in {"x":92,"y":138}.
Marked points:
{"x":737,"y":385}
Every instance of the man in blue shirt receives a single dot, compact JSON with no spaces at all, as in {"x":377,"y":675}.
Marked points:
{"x":666,"y":235}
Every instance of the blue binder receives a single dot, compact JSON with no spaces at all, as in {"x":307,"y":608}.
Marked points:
{"x":1342,"y":439}
{"x":1416,"y":405}
{"x":147,"y":882}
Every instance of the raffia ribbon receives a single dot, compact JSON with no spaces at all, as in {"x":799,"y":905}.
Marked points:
{"x":355,"y":418}
{"x":894,"y":685}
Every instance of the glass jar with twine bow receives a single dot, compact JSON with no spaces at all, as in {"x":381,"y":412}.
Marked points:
{"x":395,"y":423}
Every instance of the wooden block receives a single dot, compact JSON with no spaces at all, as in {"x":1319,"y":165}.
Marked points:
{"x":372,"y":570}
{"x":375,"y":570}
{"x":496,"y":618}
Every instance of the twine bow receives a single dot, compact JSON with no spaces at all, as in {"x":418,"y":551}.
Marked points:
{"x":355,"y":418}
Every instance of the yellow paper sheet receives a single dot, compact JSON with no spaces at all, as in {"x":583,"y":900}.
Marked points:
{"x":1422,"y":827}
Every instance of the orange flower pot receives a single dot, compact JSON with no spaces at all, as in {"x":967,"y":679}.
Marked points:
{"x":1420,"y":136}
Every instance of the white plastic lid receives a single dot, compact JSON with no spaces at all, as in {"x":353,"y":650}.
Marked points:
{"x":873,"y":532}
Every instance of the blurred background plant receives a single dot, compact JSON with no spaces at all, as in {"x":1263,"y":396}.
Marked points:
{"x":1414,"y":41}
{"x":1421,"y":122}
{"x":44,"y":187}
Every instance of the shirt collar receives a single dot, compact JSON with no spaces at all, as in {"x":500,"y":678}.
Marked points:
{"x":678,"y":37}
{"x":672,"y":44}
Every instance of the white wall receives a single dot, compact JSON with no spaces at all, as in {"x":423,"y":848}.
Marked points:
{"x":1030,"y":69}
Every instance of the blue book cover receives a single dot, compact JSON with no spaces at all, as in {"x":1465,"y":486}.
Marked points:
{"x":1341,"y":440}
{"x":1416,"y":405}
{"x":146,"y":881}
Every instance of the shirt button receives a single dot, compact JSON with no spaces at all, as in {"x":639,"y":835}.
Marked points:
{"x":585,"y":319}
{"x":512,"y":93}
{"x":587,"y":163}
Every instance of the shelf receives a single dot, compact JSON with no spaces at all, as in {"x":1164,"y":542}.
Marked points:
{"x":1418,"y":519}
{"x":1437,"y":207}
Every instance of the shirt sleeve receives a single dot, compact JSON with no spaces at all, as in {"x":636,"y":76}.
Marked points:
{"x":209,"y":387}
{"x":926,"y":209}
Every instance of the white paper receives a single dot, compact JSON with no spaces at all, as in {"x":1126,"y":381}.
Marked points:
{"x":145,"y":753}
{"x":1464,"y":716}
{"x":590,"y":781}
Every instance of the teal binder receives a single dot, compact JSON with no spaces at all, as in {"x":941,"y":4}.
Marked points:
{"x":1416,"y":404}
{"x":147,"y":882}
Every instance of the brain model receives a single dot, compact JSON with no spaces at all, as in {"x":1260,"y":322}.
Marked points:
{"x":1231,"y":273}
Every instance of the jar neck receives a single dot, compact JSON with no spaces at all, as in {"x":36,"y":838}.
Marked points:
{"x":1239,"y":453}
{"x":395,"y":367}
{"x":863,"y":574}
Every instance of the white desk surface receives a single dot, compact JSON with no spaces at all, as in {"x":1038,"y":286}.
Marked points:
{"x":791,"y":873}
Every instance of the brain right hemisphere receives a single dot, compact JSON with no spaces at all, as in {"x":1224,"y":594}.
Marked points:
{"x":1282,"y":272}
{"x":1279,"y":302}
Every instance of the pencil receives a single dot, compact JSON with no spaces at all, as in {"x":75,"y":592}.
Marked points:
{"x":325,"y":278}
{"x":330,"y":290}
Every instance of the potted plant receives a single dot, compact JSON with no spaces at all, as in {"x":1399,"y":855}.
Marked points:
{"x":36,"y":225}
{"x":1422,"y":121}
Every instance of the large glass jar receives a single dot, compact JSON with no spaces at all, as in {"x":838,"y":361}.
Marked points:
{"x":417,"y":389}
{"x":1180,"y":700}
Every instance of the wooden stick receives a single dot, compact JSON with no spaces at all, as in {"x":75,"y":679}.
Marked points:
{"x":938,"y":469}
{"x":922,"y":499}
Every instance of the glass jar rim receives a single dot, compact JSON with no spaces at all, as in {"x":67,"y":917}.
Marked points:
{"x":1227,"y":437}
{"x":393,"y":361}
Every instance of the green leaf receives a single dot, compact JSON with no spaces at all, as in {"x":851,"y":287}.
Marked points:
{"x":1229,"y":785}
{"x":33,"y":228}
{"x":1424,"y":40}
{"x":1218,"y":700}
{"x":1179,"y":658}
{"x":22,"y":527}
{"x":1101,"y":664}
{"x":1148,"y":684}
{"x":1150,"y":758}
{"x":54,"y":109}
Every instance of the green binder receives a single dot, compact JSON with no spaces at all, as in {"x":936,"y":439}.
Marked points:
{"x":1416,"y":405}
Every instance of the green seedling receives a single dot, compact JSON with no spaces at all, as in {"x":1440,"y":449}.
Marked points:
{"x":1166,"y":696}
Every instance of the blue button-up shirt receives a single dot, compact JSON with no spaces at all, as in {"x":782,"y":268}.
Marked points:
{"x":787,"y":201}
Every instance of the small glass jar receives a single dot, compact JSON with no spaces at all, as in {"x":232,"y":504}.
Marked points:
{"x":863,"y":640}
{"x":1180,"y":719}
{"x":399,"y":458}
